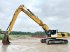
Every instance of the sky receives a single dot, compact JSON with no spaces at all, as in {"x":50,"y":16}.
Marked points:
{"x":54,"y":13}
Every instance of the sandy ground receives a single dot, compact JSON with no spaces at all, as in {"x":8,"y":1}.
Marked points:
{"x":33,"y":45}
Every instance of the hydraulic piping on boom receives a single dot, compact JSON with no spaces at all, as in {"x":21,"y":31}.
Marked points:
{"x":52,"y":39}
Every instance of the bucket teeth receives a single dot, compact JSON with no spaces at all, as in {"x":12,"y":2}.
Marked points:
{"x":5,"y":40}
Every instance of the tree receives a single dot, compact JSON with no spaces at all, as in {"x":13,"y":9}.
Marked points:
{"x":0,"y":31}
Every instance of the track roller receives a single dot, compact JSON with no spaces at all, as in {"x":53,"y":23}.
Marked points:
{"x":43,"y":40}
{"x":56,"y":41}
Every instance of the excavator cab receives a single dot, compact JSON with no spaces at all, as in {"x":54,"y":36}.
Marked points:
{"x":51,"y":32}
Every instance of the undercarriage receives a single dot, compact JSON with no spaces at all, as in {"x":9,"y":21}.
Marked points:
{"x":54,"y":41}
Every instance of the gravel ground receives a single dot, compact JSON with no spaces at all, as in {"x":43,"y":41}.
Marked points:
{"x":33,"y":45}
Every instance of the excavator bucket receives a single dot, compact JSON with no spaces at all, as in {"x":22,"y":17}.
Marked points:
{"x":5,"y":40}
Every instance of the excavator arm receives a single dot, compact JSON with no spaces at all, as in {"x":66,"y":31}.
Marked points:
{"x":30,"y":14}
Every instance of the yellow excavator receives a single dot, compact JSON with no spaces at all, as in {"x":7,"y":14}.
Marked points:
{"x":53,"y":36}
